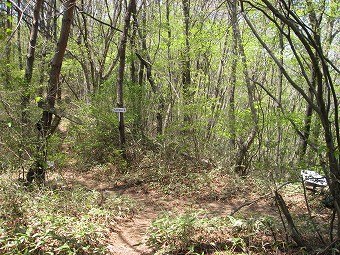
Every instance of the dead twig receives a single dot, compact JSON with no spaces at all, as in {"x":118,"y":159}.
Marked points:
{"x":260,"y":198}
{"x":324,"y":251}
{"x":250,"y":203}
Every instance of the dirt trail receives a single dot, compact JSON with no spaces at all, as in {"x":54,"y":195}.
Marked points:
{"x":130,"y":236}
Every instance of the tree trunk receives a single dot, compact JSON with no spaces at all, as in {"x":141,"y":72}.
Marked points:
{"x":186,"y":65}
{"x":25,"y":93}
{"x":19,"y":13}
{"x":156,"y":90}
{"x":8,"y":48}
{"x":169,"y":63}
{"x":120,"y":77}
{"x":325,"y":94}
{"x":90,"y":72}
{"x":293,"y":232}
{"x":48,"y":124}
{"x":279,"y":98}
{"x":55,"y":20}
{"x":53,"y":84}
{"x":231,"y":110}
{"x":309,"y":109}
{"x":25,"y":96}
{"x":146,"y":62}
{"x":241,"y":161}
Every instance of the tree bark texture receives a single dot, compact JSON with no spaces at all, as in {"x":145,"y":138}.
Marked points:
{"x":8,"y":47}
{"x":121,"y":71}
{"x":293,"y":232}
{"x":231,"y":109}
{"x":53,"y":83}
{"x":186,"y":65}
{"x":324,"y":91}
{"x":241,"y":161}
{"x":25,"y":97}
{"x":146,"y":62}
{"x":309,"y":110}
{"x":19,"y":13}
{"x":48,"y":124}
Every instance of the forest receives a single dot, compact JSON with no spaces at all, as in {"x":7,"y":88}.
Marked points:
{"x":169,"y":127}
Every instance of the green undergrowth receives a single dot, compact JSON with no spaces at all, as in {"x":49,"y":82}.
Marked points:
{"x":194,"y":178}
{"x":57,"y":221}
{"x":197,"y":233}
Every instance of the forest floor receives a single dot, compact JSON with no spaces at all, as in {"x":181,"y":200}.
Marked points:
{"x":128,"y":201}
{"x":181,"y":208}
{"x":182,"y":202}
{"x":130,"y":235}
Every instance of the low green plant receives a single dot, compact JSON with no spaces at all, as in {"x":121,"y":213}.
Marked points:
{"x":186,"y":232}
{"x":196,"y":233}
{"x":59,"y":221}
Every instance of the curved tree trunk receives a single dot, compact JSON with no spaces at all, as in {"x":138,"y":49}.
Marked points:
{"x":324,"y":92}
{"x":49,"y":120}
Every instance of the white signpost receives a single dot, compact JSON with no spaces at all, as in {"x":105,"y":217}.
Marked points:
{"x":119,"y":110}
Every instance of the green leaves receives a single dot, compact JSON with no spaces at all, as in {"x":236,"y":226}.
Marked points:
{"x":38,"y":99}
{"x":171,"y":233}
{"x":58,"y":221}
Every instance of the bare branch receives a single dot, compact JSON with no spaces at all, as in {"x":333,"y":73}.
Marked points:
{"x":98,"y":20}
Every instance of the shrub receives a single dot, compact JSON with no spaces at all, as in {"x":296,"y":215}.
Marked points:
{"x":195,"y":232}
{"x":60,"y":221}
